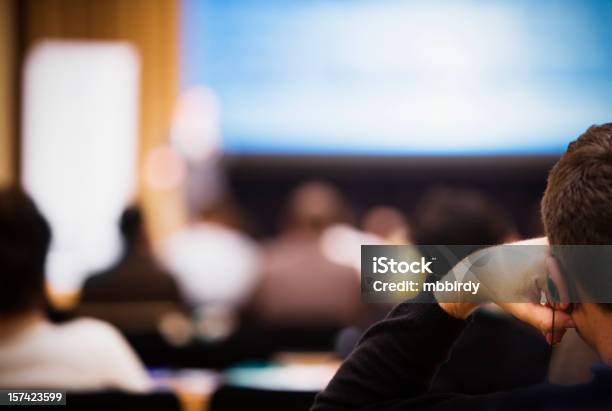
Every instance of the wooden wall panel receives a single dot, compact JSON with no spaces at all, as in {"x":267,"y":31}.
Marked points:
{"x":152,"y":26}
{"x":7,"y":91}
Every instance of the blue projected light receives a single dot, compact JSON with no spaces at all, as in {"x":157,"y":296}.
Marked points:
{"x":363,"y":77}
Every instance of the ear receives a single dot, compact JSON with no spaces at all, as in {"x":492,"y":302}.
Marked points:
{"x":558,"y":291}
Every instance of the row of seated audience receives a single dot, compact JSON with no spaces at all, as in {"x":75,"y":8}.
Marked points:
{"x":299,"y":278}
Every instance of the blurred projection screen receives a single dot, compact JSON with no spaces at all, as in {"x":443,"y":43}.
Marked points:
{"x":393,"y":77}
{"x":80,"y":135}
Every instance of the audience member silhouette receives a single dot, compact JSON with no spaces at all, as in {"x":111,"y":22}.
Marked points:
{"x":299,"y":284}
{"x":82,"y":354}
{"x":137,"y":276}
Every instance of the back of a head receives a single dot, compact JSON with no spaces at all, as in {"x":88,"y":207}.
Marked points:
{"x":577,"y":204}
{"x":386,"y":222}
{"x":24,"y":241}
{"x":315,"y":205}
{"x":448,"y":216}
{"x":131,"y":225}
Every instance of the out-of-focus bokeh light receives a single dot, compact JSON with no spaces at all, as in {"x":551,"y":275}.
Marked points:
{"x":342,"y":243}
{"x":294,"y":377}
{"x":215,"y":265}
{"x":164,"y":168}
{"x":80,"y":134}
{"x":195,"y":132}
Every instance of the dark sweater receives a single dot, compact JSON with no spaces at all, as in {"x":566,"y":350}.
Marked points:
{"x":394,"y":364}
{"x":135,"y":278}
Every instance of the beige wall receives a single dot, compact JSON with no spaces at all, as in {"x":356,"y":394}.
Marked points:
{"x":7,"y":114}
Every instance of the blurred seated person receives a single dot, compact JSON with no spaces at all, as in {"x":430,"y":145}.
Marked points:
{"x":137,"y":276}
{"x":393,"y":370}
{"x":83,"y":354}
{"x":508,"y":349}
{"x":460,"y":217}
{"x":299,"y":284}
{"x":212,"y":259}
{"x":387,"y":223}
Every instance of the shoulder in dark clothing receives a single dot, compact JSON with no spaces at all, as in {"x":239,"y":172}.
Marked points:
{"x":135,"y":279}
{"x":394,"y":364}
